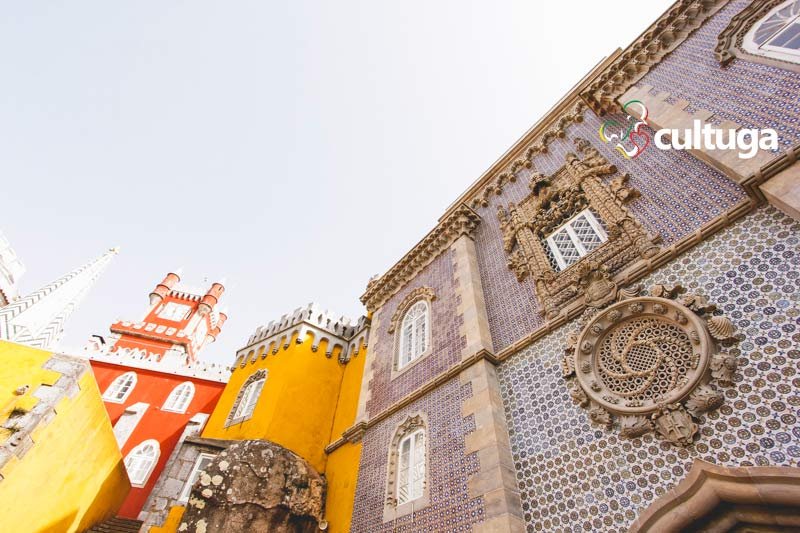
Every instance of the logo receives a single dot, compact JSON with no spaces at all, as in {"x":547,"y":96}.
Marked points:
{"x":631,"y":139}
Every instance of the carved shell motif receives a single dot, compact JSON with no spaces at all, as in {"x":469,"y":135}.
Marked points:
{"x":651,"y":363}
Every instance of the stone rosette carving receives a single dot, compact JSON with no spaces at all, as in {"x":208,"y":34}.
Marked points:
{"x":650,"y":362}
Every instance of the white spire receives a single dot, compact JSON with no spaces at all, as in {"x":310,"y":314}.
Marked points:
{"x":38,"y":319}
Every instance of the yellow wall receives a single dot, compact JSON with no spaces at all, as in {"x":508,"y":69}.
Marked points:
{"x":342,"y":467}
{"x":172,"y":522}
{"x":296,"y":407}
{"x":73,"y":476}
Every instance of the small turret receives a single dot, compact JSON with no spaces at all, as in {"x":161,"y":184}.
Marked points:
{"x":163,"y":288}
{"x":211,"y":298}
{"x":215,"y":331}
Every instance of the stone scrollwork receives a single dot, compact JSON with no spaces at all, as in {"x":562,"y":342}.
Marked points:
{"x":650,"y":362}
{"x":553,"y":200}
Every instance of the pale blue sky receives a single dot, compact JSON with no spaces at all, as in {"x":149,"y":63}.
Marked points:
{"x":297,"y":148}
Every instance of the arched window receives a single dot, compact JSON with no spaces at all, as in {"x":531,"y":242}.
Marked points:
{"x":414,"y":333}
{"x":407,"y":487}
{"x":120,"y":388}
{"x":777,"y":35}
{"x":247,"y":399}
{"x":180,"y":398}
{"x":141,"y":461}
{"x":411,"y":467}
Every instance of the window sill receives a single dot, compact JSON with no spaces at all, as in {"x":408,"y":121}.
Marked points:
{"x":398,"y":372}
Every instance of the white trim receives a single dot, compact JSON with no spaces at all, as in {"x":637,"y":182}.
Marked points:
{"x":112,"y":393}
{"x":149,"y":462}
{"x":767,"y":50}
{"x":177,"y":395}
{"x":414,"y":492}
{"x":416,"y":350}
{"x":587,"y":215}
{"x":193,"y":475}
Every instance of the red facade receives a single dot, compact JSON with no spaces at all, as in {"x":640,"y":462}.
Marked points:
{"x":152,"y":382}
{"x":153,"y":388}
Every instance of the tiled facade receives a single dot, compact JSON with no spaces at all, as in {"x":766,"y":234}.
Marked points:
{"x":747,"y":93}
{"x":570,"y":474}
{"x":445,"y":323}
{"x":574,"y":476}
{"x":450,"y":466}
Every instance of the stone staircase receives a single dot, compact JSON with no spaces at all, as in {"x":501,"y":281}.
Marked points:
{"x":117,"y":525}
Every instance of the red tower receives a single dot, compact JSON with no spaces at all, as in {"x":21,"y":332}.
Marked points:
{"x":155,"y":388}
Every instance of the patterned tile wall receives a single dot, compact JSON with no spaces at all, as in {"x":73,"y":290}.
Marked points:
{"x":678,"y":195}
{"x":447,"y":341}
{"x":450,"y":508}
{"x":750,"y":94}
{"x":577,"y":477}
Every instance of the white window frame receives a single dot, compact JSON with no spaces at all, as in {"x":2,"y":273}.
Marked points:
{"x":415,"y":352}
{"x":112,"y":393}
{"x":567,"y":226}
{"x":415,"y":492}
{"x":767,"y":50}
{"x":177,"y":395}
{"x":194,"y":475}
{"x":153,"y":461}
{"x":248,"y":400}
{"x":174,"y":308}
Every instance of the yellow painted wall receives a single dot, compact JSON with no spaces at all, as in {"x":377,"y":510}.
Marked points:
{"x":307,"y":402}
{"x":296,"y":407}
{"x":342,"y":468}
{"x":74,"y":474}
{"x":342,"y":475}
{"x":172,"y":522}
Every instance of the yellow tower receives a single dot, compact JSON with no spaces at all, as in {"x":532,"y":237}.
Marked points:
{"x":296,"y":383}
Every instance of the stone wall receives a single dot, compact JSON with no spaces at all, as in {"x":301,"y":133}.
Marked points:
{"x":574,"y":476}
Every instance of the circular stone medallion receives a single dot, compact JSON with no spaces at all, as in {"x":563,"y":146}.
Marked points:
{"x":641,"y":354}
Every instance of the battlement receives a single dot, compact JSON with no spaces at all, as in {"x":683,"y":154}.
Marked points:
{"x":276,"y":335}
{"x":170,"y":363}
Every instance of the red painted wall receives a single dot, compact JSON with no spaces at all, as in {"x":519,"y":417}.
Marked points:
{"x":166,"y":427}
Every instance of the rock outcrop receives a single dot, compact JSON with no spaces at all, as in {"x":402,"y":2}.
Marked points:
{"x":256,"y":486}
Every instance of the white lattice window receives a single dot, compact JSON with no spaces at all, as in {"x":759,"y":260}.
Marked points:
{"x":414,"y":333}
{"x":141,"y":461}
{"x":777,"y":35}
{"x":174,"y":311}
{"x":203,"y":460}
{"x":120,"y":388}
{"x":248,"y":400}
{"x":574,"y":239}
{"x":180,"y":398}
{"x":411,"y":467}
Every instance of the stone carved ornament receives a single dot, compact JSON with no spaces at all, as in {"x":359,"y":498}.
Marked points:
{"x":650,"y":362}
{"x":553,"y":201}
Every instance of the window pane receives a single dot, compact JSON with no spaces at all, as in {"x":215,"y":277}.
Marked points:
{"x":587,"y":236}
{"x":566,"y":247}
{"x":788,"y":38}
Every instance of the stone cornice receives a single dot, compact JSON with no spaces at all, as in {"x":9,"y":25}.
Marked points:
{"x":461,"y":221}
{"x":663,"y":36}
{"x":535,"y":140}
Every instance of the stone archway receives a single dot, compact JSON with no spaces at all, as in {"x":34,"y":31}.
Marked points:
{"x":716,"y":498}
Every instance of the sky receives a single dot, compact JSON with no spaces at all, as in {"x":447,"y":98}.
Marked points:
{"x":293,"y":148}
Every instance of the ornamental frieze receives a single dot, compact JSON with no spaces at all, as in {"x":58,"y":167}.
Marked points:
{"x":650,"y":362}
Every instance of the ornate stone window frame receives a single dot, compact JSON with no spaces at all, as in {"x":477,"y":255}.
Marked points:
{"x":735,"y":41}
{"x":555,"y":199}
{"x":410,"y":424}
{"x":420,"y":294}
{"x":255,"y":376}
